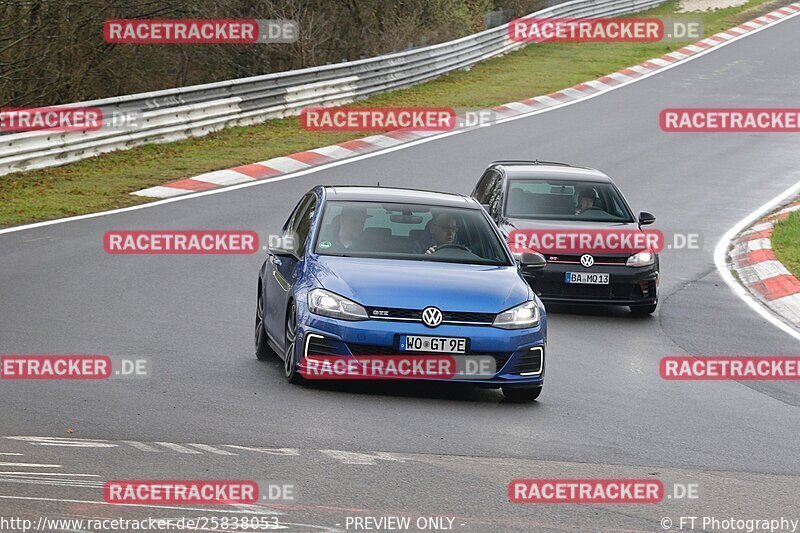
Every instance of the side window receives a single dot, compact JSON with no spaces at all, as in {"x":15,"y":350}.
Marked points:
{"x":495,"y":196}
{"x":481,"y":190}
{"x":301,"y":224}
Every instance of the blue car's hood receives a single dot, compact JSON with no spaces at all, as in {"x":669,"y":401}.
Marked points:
{"x":418,"y":284}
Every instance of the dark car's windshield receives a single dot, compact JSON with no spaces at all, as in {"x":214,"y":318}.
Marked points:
{"x":409,"y":231}
{"x":565,"y":200}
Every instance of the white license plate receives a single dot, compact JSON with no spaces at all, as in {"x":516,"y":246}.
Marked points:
{"x":417,"y":343}
{"x":588,"y":278}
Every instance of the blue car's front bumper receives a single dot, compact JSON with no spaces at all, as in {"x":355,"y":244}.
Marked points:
{"x":519,"y":354}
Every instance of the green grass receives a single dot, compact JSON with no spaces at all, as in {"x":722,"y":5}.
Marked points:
{"x":104,"y":182}
{"x":786,"y":243}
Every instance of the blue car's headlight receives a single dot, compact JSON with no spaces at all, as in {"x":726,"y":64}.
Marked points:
{"x":641,"y":259}
{"x":326,"y":303}
{"x":522,"y":316}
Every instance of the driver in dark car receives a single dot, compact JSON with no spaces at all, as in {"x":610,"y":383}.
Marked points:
{"x":585,"y":201}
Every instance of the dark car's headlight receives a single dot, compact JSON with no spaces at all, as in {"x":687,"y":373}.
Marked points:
{"x":326,"y":303}
{"x":522,"y":316}
{"x":641,"y":259}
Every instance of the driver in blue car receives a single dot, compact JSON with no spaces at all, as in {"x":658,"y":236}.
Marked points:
{"x":442,"y":230}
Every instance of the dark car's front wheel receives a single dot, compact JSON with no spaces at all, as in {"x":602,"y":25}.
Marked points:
{"x":263,"y":349}
{"x":522,"y":395}
{"x":290,"y":357}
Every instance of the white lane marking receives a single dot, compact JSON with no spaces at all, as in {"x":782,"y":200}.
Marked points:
{"x":210,"y":449}
{"x":141,"y":446}
{"x":64,"y":441}
{"x":205,"y":510}
{"x":722,"y":247}
{"x":58,"y":474}
{"x":271,"y":451}
{"x":75,"y":483}
{"x":404,"y":146}
{"x":30,"y":465}
{"x":178,"y":448}
{"x":11,"y":453}
{"x":355,"y":458}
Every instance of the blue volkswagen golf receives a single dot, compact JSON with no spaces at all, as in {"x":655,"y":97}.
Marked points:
{"x":374,"y":271}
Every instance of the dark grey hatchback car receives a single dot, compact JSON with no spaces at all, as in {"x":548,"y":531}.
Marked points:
{"x":533,"y":195}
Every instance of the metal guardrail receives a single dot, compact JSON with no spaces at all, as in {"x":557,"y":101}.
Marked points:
{"x":174,"y":114}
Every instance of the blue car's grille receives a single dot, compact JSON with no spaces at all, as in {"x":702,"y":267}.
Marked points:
{"x":389,"y":313}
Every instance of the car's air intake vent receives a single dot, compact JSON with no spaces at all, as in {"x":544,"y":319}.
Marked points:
{"x":318,"y":345}
{"x":529,"y":363}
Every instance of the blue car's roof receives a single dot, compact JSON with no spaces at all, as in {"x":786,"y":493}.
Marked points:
{"x":391,"y":194}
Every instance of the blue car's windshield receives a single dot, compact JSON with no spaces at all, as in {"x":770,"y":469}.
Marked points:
{"x":409,"y":231}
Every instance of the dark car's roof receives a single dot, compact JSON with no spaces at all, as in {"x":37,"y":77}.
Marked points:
{"x":392,"y":194}
{"x":553,"y":172}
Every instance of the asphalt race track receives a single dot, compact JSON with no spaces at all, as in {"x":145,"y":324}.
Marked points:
{"x":361,"y":450}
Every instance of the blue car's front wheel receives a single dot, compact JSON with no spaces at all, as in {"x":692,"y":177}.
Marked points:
{"x":290,"y":357}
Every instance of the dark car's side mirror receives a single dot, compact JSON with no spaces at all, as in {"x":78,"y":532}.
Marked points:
{"x":646,"y":218}
{"x":532,"y":261}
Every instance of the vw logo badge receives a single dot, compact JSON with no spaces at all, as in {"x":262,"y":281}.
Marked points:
{"x":587,"y":260}
{"x":431,"y":317}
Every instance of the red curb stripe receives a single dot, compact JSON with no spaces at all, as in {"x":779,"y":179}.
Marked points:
{"x":701,"y":44}
{"x":756,"y":256}
{"x":191,"y":185}
{"x":533,"y":103}
{"x":629,"y":72}
{"x":716,"y":38}
{"x":763,"y":234}
{"x":403,"y":135}
{"x":777,"y":287}
{"x":687,"y":51}
{"x":358,"y":146}
{"x":310,"y":158}
{"x":588,"y":89}
{"x":257,"y":171}
{"x":668,"y":58}
{"x":608,"y":80}
{"x":561,"y":97}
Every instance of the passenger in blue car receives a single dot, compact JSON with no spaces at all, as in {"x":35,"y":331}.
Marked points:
{"x":346,"y":229}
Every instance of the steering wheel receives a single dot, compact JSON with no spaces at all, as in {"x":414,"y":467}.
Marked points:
{"x":451,"y":245}
{"x":593,"y":208}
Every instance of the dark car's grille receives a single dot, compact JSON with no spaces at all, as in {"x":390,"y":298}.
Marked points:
{"x":531,"y":361}
{"x":388,"y":313}
{"x":576,"y":259}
